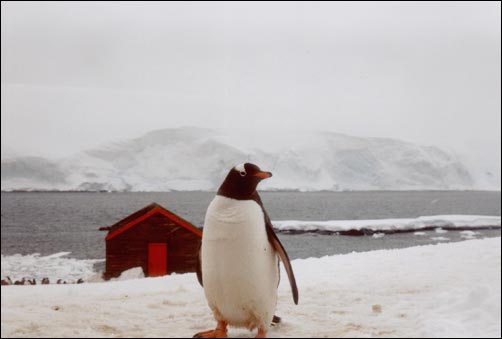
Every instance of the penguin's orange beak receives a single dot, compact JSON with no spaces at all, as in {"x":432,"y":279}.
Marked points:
{"x":263,"y":175}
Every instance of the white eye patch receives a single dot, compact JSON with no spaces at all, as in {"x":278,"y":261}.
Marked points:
{"x":241,"y":169}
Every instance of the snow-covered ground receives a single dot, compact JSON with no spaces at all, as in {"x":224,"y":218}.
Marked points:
{"x":445,"y":290}
{"x":450,"y":221}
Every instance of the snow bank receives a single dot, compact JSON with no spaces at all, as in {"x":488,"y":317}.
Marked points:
{"x":55,"y":266}
{"x":389,"y":225}
{"x":132,"y":273}
{"x":446,"y":290}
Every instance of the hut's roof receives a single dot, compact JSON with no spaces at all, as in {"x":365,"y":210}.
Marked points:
{"x":144,"y":213}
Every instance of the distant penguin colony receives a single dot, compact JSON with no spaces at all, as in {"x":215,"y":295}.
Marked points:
{"x":239,"y":257}
{"x":33,"y":281}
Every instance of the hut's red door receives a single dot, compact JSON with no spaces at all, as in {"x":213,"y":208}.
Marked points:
{"x":157,"y":259}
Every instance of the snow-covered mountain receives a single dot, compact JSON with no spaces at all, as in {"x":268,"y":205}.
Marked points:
{"x":198,"y":159}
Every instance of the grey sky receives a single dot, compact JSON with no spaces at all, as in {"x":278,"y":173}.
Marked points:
{"x":75,"y":75}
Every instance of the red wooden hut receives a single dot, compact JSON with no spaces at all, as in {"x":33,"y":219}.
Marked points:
{"x":152,"y":238}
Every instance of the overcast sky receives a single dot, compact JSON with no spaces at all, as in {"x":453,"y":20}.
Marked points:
{"x":75,"y":75}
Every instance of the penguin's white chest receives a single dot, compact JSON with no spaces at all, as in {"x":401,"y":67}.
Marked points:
{"x":239,"y":266}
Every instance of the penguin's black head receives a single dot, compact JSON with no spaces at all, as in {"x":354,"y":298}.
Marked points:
{"x":241,"y":181}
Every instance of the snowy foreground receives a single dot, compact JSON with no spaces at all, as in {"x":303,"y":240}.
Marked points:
{"x":445,"y":290}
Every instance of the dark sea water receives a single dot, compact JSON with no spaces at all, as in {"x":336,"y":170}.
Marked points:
{"x":52,"y":222}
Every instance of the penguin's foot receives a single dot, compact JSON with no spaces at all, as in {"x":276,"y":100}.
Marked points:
{"x":261,"y":333}
{"x":211,"y":334}
{"x":219,"y":332}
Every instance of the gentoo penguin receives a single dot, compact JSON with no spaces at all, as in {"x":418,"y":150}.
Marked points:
{"x":238,"y":261}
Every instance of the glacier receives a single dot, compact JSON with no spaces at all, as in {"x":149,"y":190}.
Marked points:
{"x":189,"y":158}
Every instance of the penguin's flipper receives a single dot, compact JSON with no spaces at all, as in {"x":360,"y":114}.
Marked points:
{"x":276,"y":244}
{"x":198,"y":266}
